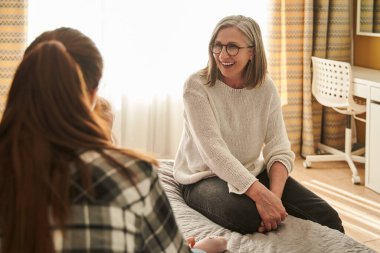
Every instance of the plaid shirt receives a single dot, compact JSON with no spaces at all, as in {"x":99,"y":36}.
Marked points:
{"x":123,"y":217}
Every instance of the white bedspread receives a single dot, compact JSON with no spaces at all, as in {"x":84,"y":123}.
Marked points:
{"x":294,"y":235}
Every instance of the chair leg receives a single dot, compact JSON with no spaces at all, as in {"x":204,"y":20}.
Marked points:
{"x":358,"y":158}
{"x":359,"y":151}
{"x":330,"y":149}
{"x":355,"y":176}
{"x":347,"y":151}
{"x":337,"y":155}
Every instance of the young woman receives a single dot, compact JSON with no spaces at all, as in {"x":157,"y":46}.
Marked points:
{"x":233,"y":118}
{"x":63,"y":186}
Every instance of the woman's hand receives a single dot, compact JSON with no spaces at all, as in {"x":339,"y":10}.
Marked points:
{"x":269,"y":206}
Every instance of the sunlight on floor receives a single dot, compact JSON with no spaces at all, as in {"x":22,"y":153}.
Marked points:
{"x":361,"y":216}
{"x":357,"y":200}
{"x":357,"y":205}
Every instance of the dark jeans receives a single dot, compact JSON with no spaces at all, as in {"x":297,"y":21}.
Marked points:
{"x":238,"y":213}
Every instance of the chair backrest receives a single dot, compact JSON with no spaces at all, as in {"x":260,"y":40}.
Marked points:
{"x":332,"y":85}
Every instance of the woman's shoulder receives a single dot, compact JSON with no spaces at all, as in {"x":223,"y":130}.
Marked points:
{"x":119,"y":172}
{"x":196,"y":79}
{"x":127,"y":170}
{"x":135,"y":165}
{"x":268,"y":83}
{"x":269,"y":91}
{"x":267,"y":87}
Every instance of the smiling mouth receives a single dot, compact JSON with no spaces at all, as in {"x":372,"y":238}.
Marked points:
{"x":226,"y":63}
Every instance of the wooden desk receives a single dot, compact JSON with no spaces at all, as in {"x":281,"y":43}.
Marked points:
{"x":367,"y":85}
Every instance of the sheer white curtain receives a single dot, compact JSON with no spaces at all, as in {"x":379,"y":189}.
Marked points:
{"x":149,"y":47}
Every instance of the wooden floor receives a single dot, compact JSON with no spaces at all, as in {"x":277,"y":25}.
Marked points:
{"x":358,"y":206}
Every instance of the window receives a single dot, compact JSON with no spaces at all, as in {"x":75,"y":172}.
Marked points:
{"x":149,"y":47}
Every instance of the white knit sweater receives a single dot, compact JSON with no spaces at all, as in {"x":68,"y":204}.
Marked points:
{"x":228,"y":131}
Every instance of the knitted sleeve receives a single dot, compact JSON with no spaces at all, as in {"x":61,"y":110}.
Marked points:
{"x":277,"y":145}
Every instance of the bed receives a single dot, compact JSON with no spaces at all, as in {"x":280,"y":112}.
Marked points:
{"x":294,"y":235}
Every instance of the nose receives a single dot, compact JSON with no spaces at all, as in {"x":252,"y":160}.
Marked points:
{"x":223,"y":53}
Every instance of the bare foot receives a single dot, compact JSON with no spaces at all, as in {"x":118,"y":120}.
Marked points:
{"x":212,"y":244}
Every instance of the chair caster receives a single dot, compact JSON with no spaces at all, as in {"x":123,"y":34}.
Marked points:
{"x":355,"y":179}
{"x":306,"y":164}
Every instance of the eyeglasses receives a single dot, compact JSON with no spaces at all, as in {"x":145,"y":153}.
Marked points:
{"x":231,"y":49}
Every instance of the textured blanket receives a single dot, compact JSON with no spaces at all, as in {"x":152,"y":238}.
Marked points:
{"x":294,"y":235}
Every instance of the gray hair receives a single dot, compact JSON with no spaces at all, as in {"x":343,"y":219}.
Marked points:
{"x":256,"y":69}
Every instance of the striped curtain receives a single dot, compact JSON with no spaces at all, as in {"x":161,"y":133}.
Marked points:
{"x":370,"y":16}
{"x":13,"y":32}
{"x":299,"y":29}
{"x":376,"y":16}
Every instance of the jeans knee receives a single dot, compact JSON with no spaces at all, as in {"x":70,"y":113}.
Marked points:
{"x":249,"y":228}
{"x":331,"y":219}
{"x":244,"y":227}
{"x":243,"y":218}
{"x":335,"y":222}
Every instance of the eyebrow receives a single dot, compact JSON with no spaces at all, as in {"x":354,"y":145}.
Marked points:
{"x":228,"y":43}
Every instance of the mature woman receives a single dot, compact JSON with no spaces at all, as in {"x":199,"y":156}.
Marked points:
{"x":233,"y":119}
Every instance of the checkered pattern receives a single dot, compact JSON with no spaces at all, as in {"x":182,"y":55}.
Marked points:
{"x":120,"y":216}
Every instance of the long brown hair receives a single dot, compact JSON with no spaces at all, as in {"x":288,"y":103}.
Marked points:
{"x":85,"y":52}
{"x":46,"y":123}
{"x":81,"y":48}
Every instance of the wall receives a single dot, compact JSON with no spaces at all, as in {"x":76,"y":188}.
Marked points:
{"x":367,"y":51}
{"x":366,"y":54}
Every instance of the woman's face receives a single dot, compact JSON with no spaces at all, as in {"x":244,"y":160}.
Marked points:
{"x":231,"y":66}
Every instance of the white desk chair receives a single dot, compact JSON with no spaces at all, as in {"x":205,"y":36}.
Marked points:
{"x":332,"y":86}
